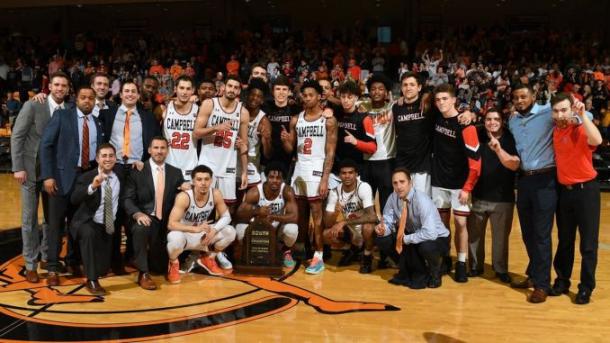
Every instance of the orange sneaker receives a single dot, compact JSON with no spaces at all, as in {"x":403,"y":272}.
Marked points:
{"x":173,"y":272}
{"x":209,"y":264}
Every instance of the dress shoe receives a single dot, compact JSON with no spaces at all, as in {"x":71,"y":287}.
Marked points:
{"x":475,"y":272}
{"x":538,"y":296}
{"x":434,"y":282}
{"x":583,"y":297}
{"x":504,"y":277}
{"x":558,"y":290}
{"x":75,"y":270}
{"x":94,"y":287}
{"x":146,"y":282}
{"x":460,"y":272}
{"x":347,"y":257}
{"x":399,"y":281}
{"x":446,"y":266}
{"x":32,"y":276}
{"x":526,"y":283}
{"x":53,"y":279}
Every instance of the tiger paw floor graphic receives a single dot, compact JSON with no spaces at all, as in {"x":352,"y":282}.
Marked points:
{"x":37,"y":312}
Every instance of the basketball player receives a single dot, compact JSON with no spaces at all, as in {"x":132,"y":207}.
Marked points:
{"x":354,"y":199}
{"x":219,"y":122}
{"x":316,"y":139}
{"x":456,"y":167}
{"x":178,"y":123}
{"x":191,"y":226}
{"x":274,"y":202}
{"x":259,"y":131}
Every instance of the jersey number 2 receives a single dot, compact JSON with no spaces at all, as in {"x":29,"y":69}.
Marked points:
{"x":307,"y":146}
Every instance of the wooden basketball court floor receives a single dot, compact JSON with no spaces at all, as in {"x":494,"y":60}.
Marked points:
{"x":336,"y":306}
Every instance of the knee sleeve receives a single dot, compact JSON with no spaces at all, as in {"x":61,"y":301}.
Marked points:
{"x":240,"y":230}
{"x":176,"y":242}
{"x":290,"y":232}
{"x":226,"y":237}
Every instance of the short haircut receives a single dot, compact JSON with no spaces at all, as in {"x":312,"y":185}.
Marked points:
{"x":233,"y":77}
{"x":84,"y":87}
{"x":104,"y":146}
{"x":207,"y":80}
{"x":158,"y":138}
{"x":257,"y":65}
{"x":409,"y":74}
{"x":348,"y":163}
{"x":523,"y":86}
{"x":281,"y":80}
{"x":185,"y":78}
{"x":128,"y":82}
{"x":258,"y":83}
{"x":492,"y":110}
{"x":559,"y":97}
{"x":312,"y":84}
{"x":201,"y":169}
{"x":379,"y":78}
{"x":150,"y":77}
{"x":402,"y":170}
{"x":99,"y":74}
{"x":59,"y":74}
{"x":275,"y":166}
{"x":445,"y":88}
{"x":349,"y":87}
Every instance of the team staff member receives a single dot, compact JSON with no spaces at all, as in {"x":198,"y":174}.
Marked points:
{"x":579,"y":198}
{"x":493,"y":197}
{"x":412,"y":233}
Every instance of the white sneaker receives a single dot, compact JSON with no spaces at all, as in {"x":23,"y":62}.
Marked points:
{"x":223,"y":261}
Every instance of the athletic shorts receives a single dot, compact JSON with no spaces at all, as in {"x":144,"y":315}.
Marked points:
{"x":226,"y":185}
{"x":306,"y":189}
{"x":445,"y":199}
{"x":421,"y":182}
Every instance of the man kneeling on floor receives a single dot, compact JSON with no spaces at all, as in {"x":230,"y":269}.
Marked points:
{"x":191,"y":227}
{"x":273,"y":202}
{"x":412,"y":233}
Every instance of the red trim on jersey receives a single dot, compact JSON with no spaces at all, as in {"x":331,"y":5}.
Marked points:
{"x":444,"y":210}
{"x":367,"y":147}
{"x":230,"y":202}
{"x":461,"y":213}
{"x":304,"y":197}
{"x":471,"y":143}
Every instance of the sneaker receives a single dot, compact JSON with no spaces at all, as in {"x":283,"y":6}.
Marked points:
{"x":288,"y":260}
{"x":173,"y":272}
{"x":460,"y":272}
{"x":315,"y":267}
{"x":209,"y":264}
{"x":366,"y":266}
{"x":347,"y":257}
{"x":223,"y":262}
{"x":190,"y":262}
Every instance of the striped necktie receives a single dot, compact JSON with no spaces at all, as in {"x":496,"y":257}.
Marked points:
{"x":108,"y":215}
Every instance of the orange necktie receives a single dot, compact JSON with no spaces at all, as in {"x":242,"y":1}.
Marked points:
{"x":126,"y":135}
{"x":402,"y":224}
{"x":159,"y":193}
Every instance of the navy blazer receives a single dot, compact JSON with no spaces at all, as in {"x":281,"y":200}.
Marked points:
{"x":150,"y":126}
{"x":60,"y":149}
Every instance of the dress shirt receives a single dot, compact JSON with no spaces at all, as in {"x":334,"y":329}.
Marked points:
{"x":116,"y":190}
{"x":92,"y":136}
{"x":53,"y":106}
{"x":534,"y":137}
{"x":97,"y":108}
{"x":153,"y":169}
{"x":423,"y":222}
{"x":136,"y":149}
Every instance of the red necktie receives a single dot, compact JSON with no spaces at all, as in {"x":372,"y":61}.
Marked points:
{"x":84,"y":158}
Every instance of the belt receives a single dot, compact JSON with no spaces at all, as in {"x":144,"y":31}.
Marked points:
{"x":537,"y":171}
{"x":577,"y":185}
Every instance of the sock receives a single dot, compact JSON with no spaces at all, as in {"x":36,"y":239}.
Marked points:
{"x":319,"y":255}
{"x":461,"y":257}
{"x":212,"y":254}
{"x":367,"y":252}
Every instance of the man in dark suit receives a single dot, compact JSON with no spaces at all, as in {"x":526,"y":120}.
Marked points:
{"x":96,"y":194}
{"x":100,"y":82}
{"x":148,"y":199}
{"x":67,"y":150}
{"x":25,"y":143}
{"x":130,"y":130}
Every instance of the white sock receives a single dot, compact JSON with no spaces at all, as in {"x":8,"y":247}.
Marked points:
{"x":212,"y":254}
{"x":461,"y":257}
{"x":367,"y":252}
{"x":319,"y":255}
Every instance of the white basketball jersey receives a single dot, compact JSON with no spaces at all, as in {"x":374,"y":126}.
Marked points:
{"x":385,"y":136}
{"x":196,"y":215}
{"x":254,"y":153}
{"x":349,"y":202}
{"x":275,"y":205}
{"x":219,"y":153}
{"x":311,"y":148}
{"x":178,"y":130}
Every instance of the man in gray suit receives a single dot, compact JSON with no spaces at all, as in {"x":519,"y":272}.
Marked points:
{"x":25,"y":142}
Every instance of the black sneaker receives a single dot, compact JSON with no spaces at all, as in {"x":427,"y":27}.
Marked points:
{"x":460,"y":272}
{"x":446,"y":267}
{"x":475,"y":273}
{"x":347,"y":257}
{"x":434,"y":282}
{"x":366,"y":266}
